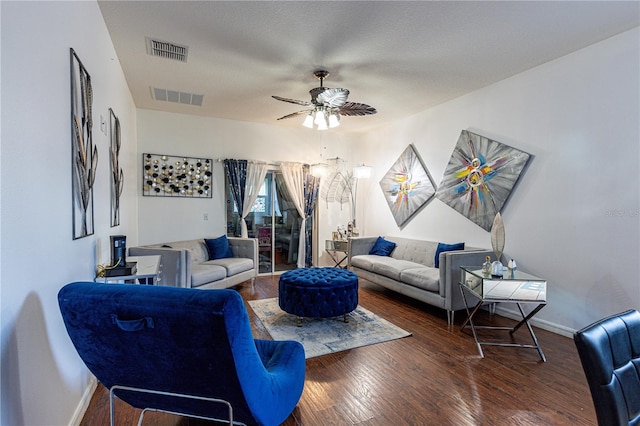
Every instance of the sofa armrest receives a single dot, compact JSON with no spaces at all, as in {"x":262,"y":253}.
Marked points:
{"x":358,"y":246}
{"x":246,"y":248}
{"x":175,"y":264}
{"x":450,"y":263}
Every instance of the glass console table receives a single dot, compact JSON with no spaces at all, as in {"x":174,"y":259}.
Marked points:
{"x":514,"y":287}
{"x":338,"y":250}
{"x":148,"y":271}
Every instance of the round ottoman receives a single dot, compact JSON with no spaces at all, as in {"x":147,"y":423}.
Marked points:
{"x":318,"y":292}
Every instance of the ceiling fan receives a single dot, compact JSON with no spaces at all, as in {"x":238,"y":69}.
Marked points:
{"x":327,"y":105}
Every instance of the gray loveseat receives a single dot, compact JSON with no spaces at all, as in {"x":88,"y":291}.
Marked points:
{"x":410,"y":269}
{"x":186,"y":263}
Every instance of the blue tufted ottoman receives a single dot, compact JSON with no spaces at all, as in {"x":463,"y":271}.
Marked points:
{"x":318,"y":292}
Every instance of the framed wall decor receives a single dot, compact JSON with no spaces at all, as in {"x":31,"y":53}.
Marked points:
{"x":84,"y":155}
{"x":480,"y":176}
{"x":117,"y":176}
{"x":174,"y":176}
{"x":407,"y":186}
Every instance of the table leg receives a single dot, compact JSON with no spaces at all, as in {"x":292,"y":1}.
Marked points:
{"x":469,"y":320}
{"x":336,"y":260}
{"x":525,"y":320}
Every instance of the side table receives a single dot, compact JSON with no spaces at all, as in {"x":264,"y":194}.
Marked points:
{"x":148,"y":271}
{"x":338,"y":251}
{"x":516,"y":287}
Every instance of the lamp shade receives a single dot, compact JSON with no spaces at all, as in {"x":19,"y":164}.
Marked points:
{"x":308,"y":121}
{"x":334,"y":120}
{"x":322,"y":123}
{"x":318,"y":170}
{"x":362,"y":172}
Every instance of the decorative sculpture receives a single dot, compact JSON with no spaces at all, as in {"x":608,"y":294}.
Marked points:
{"x":84,"y":153}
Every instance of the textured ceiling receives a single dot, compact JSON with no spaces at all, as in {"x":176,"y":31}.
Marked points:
{"x":399,"y":57}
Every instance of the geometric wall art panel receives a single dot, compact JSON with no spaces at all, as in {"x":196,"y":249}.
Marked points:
{"x":176,"y":176}
{"x":480,"y":176}
{"x":407,"y":186}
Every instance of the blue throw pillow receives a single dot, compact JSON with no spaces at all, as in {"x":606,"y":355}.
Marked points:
{"x":382,"y":247}
{"x":218,"y":248}
{"x":442,"y":247}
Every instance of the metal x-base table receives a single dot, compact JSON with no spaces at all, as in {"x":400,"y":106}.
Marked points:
{"x":518,"y":288}
{"x":338,"y":251}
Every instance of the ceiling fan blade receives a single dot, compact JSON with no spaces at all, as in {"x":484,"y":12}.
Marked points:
{"x":355,"y":108}
{"x":295,"y":114}
{"x":292,"y":101}
{"x":333,"y":97}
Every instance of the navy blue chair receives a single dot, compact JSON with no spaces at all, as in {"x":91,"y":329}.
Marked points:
{"x":609,"y":350}
{"x":182,"y":351}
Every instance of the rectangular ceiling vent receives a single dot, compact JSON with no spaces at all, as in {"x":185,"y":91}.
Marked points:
{"x":176,"y":97}
{"x":167,"y":50}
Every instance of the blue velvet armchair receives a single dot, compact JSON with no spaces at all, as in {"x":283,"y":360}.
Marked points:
{"x":609,"y":351}
{"x":179,"y":341}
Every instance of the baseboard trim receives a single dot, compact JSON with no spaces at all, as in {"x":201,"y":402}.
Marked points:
{"x":84,"y":402}
{"x":540,"y":323}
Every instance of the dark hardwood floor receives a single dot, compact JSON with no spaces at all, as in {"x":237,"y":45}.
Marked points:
{"x":434,"y":377}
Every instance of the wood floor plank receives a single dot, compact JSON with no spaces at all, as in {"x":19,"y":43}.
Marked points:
{"x":433,"y":377}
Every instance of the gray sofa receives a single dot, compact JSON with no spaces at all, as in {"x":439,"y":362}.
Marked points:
{"x":186,"y":263}
{"x":410,"y":269}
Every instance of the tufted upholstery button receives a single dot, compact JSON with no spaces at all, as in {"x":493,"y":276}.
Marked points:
{"x":318,"y":292}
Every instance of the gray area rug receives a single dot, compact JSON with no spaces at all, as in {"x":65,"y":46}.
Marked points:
{"x":321,"y":336}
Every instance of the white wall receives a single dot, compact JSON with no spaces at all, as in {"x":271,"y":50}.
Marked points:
{"x":574,"y":218}
{"x":164,"y":219}
{"x":43,"y":379}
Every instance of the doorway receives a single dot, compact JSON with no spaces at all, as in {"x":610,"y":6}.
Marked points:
{"x":274,"y":221}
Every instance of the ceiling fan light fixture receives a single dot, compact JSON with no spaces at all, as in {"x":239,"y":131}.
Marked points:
{"x":308,"y":121}
{"x":326,"y":105}
{"x":319,"y":116}
{"x":334,"y":121}
{"x":323,"y":123}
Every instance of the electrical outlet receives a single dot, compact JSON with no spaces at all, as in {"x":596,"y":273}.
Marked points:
{"x":103,"y":125}
{"x":206,"y":216}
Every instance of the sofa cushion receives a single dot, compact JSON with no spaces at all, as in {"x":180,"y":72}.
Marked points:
{"x":382,"y":247}
{"x":203,"y":274}
{"x":197,"y":248}
{"x":392,"y":268}
{"x":233,"y":265}
{"x":364,"y":261}
{"x":218,"y":248}
{"x":418,"y":251}
{"x":442,"y":247}
{"x":425,"y":278}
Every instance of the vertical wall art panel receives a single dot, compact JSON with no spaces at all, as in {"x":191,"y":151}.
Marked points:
{"x":84,"y":155}
{"x":173,"y":176}
{"x":480,"y":177}
{"x":117,"y":176}
{"x":407,"y":186}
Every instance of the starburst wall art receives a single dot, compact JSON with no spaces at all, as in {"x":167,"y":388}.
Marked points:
{"x":480,"y":176}
{"x":407,"y":186}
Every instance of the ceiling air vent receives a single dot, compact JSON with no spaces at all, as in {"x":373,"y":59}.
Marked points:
{"x":176,"y":96}
{"x":167,"y":50}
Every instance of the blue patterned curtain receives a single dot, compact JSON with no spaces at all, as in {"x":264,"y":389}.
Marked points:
{"x":311,"y":186}
{"x":236,"y":171}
